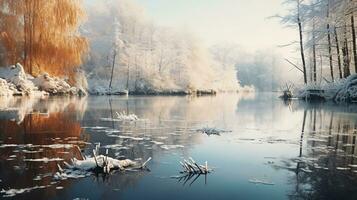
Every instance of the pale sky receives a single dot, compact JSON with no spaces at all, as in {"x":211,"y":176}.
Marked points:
{"x":243,"y":22}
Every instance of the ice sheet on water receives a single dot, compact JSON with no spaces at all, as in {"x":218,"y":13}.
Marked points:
{"x":110,"y":120}
{"x":261,"y":181}
{"x":168,"y":147}
{"x":44,"y":159}
{"x":14,"y":192}
{"x":52,"y":146}
{"x":115,"y":147}
{"x":343,"y":168}
{"x":127,"y":137}
{"x":95,"y":127}
{"x":156,"y":142}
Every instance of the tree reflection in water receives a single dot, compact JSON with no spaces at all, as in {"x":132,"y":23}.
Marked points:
{"x":42,"y":130}
{"x":326,"y":166}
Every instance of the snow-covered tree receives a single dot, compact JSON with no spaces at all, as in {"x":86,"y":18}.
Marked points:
{"x":151,"y":58}
{"x":329,"y":26}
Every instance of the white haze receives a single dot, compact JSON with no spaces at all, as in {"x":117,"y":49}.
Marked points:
{"x":152,"y":57}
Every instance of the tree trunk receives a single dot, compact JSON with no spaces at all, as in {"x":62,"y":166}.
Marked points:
{"x":354,"y":42}
{"x":301,"y":42}
{"x":127,"y":76}
{"x":111,"y":75}
{"x":346,"y":59}
{"x":330,"y":55}
{"x":314,"y":54}
{"x":329,"y":42}
{"x":338,"y":53}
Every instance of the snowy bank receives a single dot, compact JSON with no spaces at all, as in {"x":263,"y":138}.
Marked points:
{"x":100,"y":86}
{"x":14,"y":81}
{"x":341,"y":91}
{"x":18,"y":81}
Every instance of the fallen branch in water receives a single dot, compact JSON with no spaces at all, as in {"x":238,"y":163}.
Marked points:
{"x":98,"y":164}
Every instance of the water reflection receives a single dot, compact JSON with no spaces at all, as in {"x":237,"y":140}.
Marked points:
{"x":326,"y":162}
{"x":36,"y":133}
{"x":304,"y":150}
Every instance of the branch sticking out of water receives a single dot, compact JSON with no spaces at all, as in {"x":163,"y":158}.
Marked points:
{"x":191,"y":167}
{"x":97,"y":164}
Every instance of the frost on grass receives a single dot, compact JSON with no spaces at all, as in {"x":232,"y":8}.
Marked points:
{"x":123,"y":116}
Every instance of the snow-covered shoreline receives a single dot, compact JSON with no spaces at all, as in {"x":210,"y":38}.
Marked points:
{"x":341,"y":91}
{"x":15,"y":82}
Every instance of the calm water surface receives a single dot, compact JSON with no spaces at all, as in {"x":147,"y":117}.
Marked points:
{"x":275,"y":150}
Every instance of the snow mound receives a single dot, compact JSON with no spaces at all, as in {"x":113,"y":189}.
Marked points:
{"x":347,"y":90}
{"x":6,"y":89}
{"x":340,"y":91}
{"x":15,"y":81}
{"x":92,"y":163}
{"x":55,"y":85}
{"x":15,"y":74}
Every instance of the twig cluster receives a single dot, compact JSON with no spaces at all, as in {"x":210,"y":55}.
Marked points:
{"x":191,"y":167}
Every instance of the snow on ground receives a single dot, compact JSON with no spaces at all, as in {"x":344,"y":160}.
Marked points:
{"x":99,"y":86}
{"x":15,"y":74}
{"x":15,"y":81}
{"x":340,"y":91}
{"x":6,"y":89}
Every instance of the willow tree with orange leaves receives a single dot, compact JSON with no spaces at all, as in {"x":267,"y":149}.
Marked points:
{"x":43,"y":35}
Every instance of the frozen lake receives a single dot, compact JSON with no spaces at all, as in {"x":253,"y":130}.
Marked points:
{"x":271,"y":149}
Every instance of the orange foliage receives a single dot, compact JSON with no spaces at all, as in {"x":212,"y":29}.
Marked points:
{"x":43,"y":35}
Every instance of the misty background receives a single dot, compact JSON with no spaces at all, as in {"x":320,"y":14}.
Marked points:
{"x":216,"y":44}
